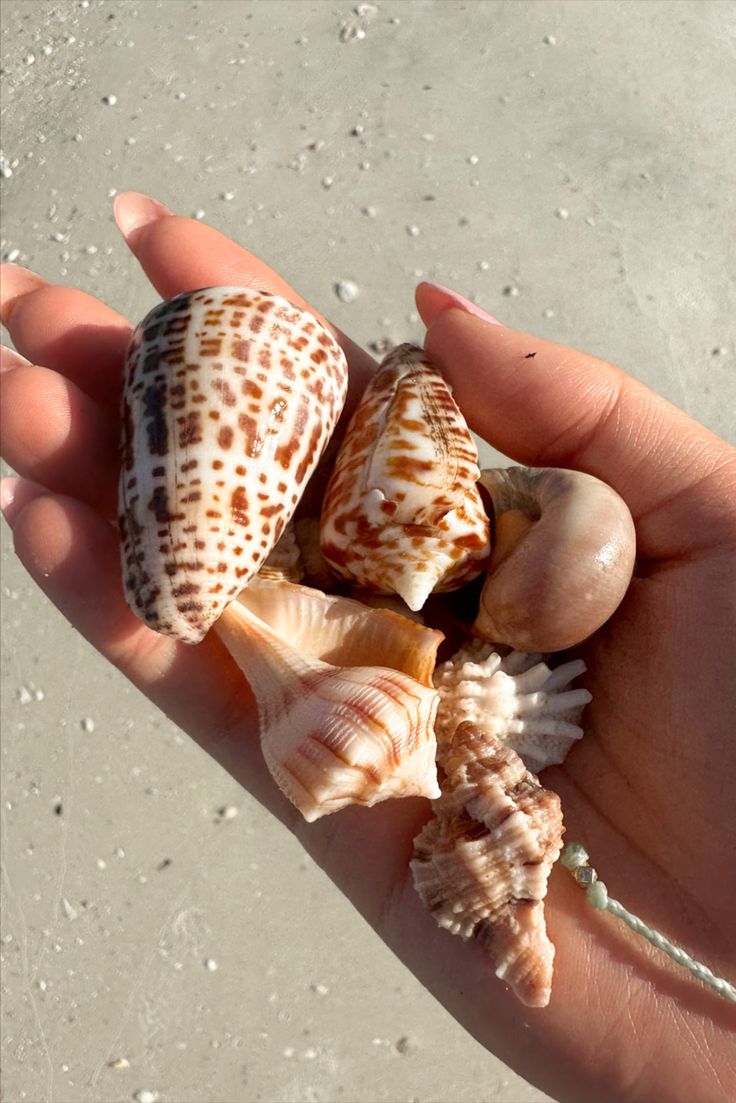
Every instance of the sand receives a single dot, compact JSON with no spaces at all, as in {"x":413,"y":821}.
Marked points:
{"x":569,"y":166}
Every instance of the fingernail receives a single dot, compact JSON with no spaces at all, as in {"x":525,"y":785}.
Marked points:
{"x":9,"y":359}
{"x":133,"y":210}
{"x":442,"y":298}
{"x":16,"y":494}
{"x":16,"y":282}
{"x":7,"y":497}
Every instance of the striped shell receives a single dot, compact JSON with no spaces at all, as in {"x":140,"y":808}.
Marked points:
{"x":230,"y":397}
{"x":402,"y":513}
{"x":481,"y":865}
{"x":345,"y":704}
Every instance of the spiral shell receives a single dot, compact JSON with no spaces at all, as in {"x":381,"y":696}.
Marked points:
{"x":345,"y":704}
{"x":230,"y":397}
{"x":402,"y":513}
{"x":482,"y":863}
{"x":563,"y":557}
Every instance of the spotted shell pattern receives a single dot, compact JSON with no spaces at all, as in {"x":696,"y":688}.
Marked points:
{"x":230,"y":397}
{"x":402,"y":512}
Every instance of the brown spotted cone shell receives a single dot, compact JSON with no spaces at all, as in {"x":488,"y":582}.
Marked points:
{"x":402,"y":512}
{"x":230,"y":397}
{"x":482,"y":862}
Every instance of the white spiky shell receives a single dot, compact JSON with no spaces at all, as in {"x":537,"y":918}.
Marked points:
{"x":345,"y":705}
{"x":482,"y":863}
{"x":284,"y":561}
{"x":230,"y":396}
{"x":402,"y":513}
{"x":515,"y":697}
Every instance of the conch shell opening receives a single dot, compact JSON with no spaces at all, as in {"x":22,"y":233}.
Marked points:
{"x":346,"y":709}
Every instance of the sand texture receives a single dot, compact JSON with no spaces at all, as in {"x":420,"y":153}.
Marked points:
{"x":568,"y":165}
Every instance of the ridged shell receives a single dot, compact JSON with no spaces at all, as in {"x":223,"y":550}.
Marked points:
{"x":402,"y":513}
{"x":346,"y":709}
{"x":482,"y":863}
{"x":230,"y":397}
{"x":516,"y":698}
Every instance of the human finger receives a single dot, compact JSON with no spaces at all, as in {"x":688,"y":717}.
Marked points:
{"x":54,"y":434}
{"x":66,"y":330}
{"x":548,"y":405}
{"x":179,"y":254}
{"x":73,"y":556}
{"x":15,"y":494}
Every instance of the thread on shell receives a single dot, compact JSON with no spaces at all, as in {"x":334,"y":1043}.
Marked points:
{"x":575,"y":858}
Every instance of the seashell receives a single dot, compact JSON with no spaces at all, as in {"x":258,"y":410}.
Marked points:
{"x":284,"y":561}
{"x":516,"y":698}
{"x":563,"y":556}
{"x":316,"y":571}
{"x":482,"y":863}
{"x":385,"y":601}
{"x":346,"y":708}
{"x":230,"y":397}
{"x":402,"y":513}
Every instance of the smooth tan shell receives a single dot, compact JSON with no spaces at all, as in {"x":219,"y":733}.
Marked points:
{"x":345,"y":704}
{"x":563,"y":556}
{"x":402,"y":513}
{"x":230,"y":397}
{"x":482,"y":862}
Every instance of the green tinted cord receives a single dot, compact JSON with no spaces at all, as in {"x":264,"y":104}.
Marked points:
{"x":575,"y":858}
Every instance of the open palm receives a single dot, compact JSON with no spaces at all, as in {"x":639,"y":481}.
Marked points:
{"x":646,"y":791}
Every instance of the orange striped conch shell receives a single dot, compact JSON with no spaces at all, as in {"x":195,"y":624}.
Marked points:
{"x":344,"y":692}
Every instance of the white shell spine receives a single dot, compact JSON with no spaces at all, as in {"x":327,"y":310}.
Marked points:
{"x":516,"y":697}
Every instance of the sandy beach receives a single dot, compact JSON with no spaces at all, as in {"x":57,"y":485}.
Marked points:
{"x":569,"y":166}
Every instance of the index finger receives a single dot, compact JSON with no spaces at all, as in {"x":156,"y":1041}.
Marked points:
{"x":548,"y":405}
{"x":181,"y":254}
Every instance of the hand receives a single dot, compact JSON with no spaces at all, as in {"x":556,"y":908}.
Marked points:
{"x":645,"y":791}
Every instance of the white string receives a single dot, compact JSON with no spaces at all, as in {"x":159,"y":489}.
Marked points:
{"x":575,"y":858}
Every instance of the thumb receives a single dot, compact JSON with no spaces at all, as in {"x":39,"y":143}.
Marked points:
{"x":548,"y":405}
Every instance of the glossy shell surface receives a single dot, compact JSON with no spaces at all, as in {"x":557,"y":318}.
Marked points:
{"x":402,"y":513}
{"x":230,"y":397}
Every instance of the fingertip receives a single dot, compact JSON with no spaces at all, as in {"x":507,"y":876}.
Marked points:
{"x":7,"y":496}
{"x":17,"y":493}
{"x":133,"y":211}
{"x":10,"y":359}
{"x":15,"y":282}
{"x":433,"y":299}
